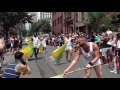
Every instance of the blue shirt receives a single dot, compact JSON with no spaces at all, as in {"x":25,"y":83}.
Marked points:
{"x":10,"y":72}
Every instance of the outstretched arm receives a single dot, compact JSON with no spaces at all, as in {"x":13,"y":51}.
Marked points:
{"x":78,"y":53}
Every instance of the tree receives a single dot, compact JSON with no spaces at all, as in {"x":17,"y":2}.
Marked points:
{"x":98,"y":21}
{"x":45,"y":26}
{"x":42,"y":26}
{"x":10,"y":19}
{"x":24,"y":32}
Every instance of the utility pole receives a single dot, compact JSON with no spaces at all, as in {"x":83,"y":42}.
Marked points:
{"x":74,"y":23}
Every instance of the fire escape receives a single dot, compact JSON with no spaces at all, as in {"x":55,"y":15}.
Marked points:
{"x":68,"y":22}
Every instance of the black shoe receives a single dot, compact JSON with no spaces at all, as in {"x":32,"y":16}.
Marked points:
{"x":36,"y":57}
{"x":69,"y":61}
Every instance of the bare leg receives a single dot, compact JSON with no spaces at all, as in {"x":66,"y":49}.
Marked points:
{"x":115,"y":64}
{"x":98,"y":70}
{"x":66,"y":54}
{"x":71,"y":55}
{"x":87,"y":73}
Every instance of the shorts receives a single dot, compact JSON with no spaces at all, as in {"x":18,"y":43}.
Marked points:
{"x":69,"y":48}
{"x":44,"y":46}
{"x":96,"y":63}
{"x":103,"y":51}
{"x":109,"y":51}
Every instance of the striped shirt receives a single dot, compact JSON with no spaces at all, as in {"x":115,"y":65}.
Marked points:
{"x":10,"y":71}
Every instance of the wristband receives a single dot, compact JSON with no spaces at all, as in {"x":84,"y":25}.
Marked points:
{"x":91,"y":63}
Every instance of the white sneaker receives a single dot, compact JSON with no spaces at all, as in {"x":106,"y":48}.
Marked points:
{"x":115,"y":72}
{"x":112,"y":71}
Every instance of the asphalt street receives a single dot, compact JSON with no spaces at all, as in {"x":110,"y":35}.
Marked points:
{"x":44,"y":66}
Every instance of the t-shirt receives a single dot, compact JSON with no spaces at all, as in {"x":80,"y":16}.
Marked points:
{"x":35,"y":42}
{"x":97,"y":38}
{"x":69,"y":43}
{"x":109,"y":32}
{"x":118,"y":44}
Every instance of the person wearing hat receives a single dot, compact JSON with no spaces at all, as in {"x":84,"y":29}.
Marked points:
{"x":17,"y":68}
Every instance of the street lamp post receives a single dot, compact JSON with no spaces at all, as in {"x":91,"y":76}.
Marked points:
{"x":74,"y":23}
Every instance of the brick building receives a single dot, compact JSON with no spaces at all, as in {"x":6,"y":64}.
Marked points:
{"x":68,"y":22}
{"x":57,"y":23}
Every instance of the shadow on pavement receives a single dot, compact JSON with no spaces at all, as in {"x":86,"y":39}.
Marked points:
{"x":31,"y":59}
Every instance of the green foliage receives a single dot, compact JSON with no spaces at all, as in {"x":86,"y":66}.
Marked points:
{"x":24,"y":32}
{"x":98,"y":21}
{"x":41,"y":26}
{"x":12,"y":33}
{"x":10,"y":19}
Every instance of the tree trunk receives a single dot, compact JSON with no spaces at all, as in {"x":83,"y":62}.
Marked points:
{"x":6,"y":31}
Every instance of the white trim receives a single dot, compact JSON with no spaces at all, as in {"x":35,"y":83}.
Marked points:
{"x":11,"y":74}
{"x":10,"y":68}
{"x":12,"y":64}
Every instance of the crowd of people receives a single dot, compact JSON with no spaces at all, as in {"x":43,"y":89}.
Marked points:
{"x":97,"y":49}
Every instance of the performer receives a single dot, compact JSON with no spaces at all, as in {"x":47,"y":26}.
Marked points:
{"x":90,"y":51}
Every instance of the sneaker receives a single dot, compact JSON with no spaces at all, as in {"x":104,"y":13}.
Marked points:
{"x":115,"y":72}
{"x":69,"y":61}
{"x":112,"y":71}
{"x":55,"y":63}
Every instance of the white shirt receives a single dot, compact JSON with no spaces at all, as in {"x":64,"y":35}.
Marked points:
{"x":69,"y":43}
{"x":90,"y":55}
{"x":114,"y":43}
{"x":109,"y":32}
{"x":118,"y":44}
{"x":110,"y":42}
{"x":35,"y":42}
{"x":44,"y":42}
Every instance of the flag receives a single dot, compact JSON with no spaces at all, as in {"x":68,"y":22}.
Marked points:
{"x":58,"y":76}
{"x":27,"y":41}
{"x":57,"y":54}
{"x":40,"y":49}
{"x":28,"y":50}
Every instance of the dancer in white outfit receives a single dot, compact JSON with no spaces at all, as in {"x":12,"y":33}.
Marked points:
{"x":90,"y":51}
{"x":44,"y":42}
{"x":68,"y":47}
{"x":35,"y":40}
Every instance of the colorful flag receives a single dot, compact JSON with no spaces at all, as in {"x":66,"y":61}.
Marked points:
{"x":58,"y":76}
{"x":27,"y":41}
{"x":57,"y":54}
{"x":28,"y":50}
{"x":40,"y":49}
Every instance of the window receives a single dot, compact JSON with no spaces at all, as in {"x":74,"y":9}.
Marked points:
{"x":76,"y":17}
{"x":82,"y":16}
{"x":61,"y":19}
{"x":58,"y":20}
{"x":53,"y":23}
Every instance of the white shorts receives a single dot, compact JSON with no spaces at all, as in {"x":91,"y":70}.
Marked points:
{"x":44,"y":46}
{"x":103,"y":51}
{"x":68,"y":48}
{"x":97,"y":63}
{"x":35,"y":46}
